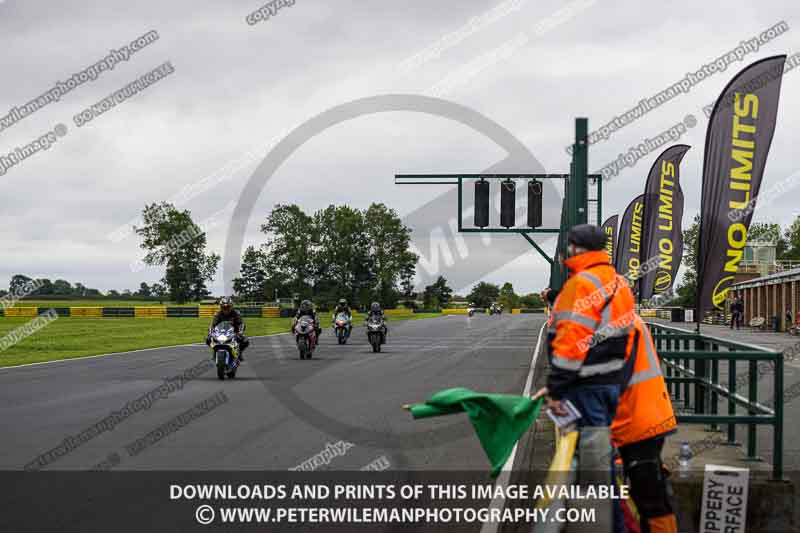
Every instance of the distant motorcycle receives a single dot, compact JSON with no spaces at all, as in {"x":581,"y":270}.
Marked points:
{"x":376,"y":333}
{"x":225,"y":350}
{"x":471,"y":311}
{"x":305,"y":335}
{"x":342,"y":326}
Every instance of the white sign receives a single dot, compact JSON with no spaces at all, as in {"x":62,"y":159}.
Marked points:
{"x":689,"y":315}
{"x":724,"y":507}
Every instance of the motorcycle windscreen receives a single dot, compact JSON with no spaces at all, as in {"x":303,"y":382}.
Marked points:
{"x":223,"y":328}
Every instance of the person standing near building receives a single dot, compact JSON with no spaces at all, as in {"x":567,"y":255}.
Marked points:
{"x":740,"y":309}
{"x":737,"y":312}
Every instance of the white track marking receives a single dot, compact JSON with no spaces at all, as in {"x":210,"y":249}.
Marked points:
{"x":505,"y":473}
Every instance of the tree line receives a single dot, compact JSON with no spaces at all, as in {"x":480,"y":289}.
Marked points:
{"x":438,"y":294}
{"x":335,"y":252}
{"x":20,"y":284}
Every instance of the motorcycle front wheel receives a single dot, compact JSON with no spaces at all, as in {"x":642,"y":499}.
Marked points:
{"x":302,"y":346}
{"x":221,"y":364}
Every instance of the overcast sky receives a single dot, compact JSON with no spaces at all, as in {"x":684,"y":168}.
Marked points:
{"x":237,"y":89}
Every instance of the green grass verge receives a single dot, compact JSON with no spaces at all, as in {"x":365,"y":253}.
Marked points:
{"x":95,"y":303}
{"x":69,"y":338}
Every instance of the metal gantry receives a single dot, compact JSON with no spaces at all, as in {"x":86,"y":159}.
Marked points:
{"x":575,"y":204}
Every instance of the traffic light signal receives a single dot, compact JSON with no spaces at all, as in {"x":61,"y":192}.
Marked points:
{"x":482,"y":203}
{"x":508,"y":191}
{"x":534,"y":203}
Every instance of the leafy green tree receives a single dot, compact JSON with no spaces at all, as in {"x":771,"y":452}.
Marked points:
{"x":791,"y":238}
{"x":78,"y":290}
{"x":45,"y":287}
{"x":508,"y":297}
{"x":63,"y":287}
{"x":764,"y":231}
{"x":437,"y":294}
{"x":291,"y":248}
{"x":144,"y":290}
{"x":18,"y":284}
{"x":532,"y":301}
{"x":343,"y":258}
{"x":483,"y":294}
{"x":391,"y":258}
{"x":172,"y":239}
{"x":251,"y":282}
{"x":687,"y":289}
{"x":159,"y":291}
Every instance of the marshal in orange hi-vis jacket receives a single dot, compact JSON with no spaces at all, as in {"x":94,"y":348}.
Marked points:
{"x":593,"y":316}
{"x":645,"y":409}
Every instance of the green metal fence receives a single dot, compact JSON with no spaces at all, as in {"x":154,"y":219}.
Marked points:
{"x":692,"y":363}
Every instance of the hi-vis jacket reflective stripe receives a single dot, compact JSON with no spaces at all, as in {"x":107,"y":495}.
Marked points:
{"x":592,"y":317}
{"x":644,"y":410}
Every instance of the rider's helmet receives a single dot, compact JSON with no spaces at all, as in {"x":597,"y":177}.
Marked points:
{"x":342,"y":302}
{"x":305,"y":306}
{"x":375,"y":307}
{"x":225,"y":304}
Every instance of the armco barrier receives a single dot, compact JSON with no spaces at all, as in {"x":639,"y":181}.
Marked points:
{"x":461,"y":311}
{"x":188,"y":311}
{"x":391,"y":312}
{"x":207,"y":311}
{"x":182,"y":312}
{"x":22,"y":311}
{"x":118,"y":312}
{"x":86,"y":312}
{"x":60,"y":311}
{"x":150,"y":311}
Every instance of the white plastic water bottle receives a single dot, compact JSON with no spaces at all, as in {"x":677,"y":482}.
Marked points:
{"x":684,"y":458}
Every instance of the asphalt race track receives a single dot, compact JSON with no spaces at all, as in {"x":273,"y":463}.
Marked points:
{"x":279,"y":411}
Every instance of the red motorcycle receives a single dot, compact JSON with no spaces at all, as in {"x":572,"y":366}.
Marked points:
{"x":305,"y":333}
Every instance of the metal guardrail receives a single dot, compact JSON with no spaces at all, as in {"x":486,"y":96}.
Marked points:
{"x":143,"y":311}
{"x":703,"y":391}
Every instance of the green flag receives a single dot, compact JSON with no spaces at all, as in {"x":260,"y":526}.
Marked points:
{"x":499,"y":419}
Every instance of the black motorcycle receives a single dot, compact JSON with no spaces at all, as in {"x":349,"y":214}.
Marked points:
{"x":376,"y":332}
